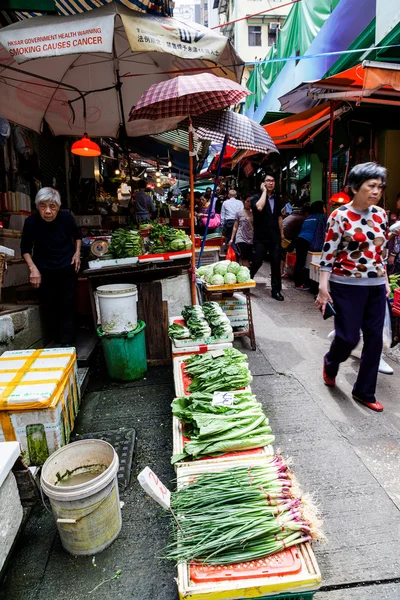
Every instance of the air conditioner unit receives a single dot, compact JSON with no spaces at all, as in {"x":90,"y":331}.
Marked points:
{"x":273,"y":26}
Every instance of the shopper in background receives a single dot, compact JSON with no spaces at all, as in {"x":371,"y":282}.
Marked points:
{"x":353,"y":262}
{"x":229,"y":209}
{"x":311,"y":238}
{"x":221,"y":197}
{"x":51,"y":247}
{"x":243,"y":232}
{"x":292,"y":225}
{"x":143,"y":204}
{"x":268,"y":233}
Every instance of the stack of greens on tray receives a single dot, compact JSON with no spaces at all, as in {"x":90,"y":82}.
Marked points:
{"x":225,"y":372}
{"x":202,"y":322}
{"x":167,"y":239}
{"x":394,"y":282}
{"x":126,"y":243}
{"x":216,"y":429}
{"x":225,"y":272}
{"x":240,"y":514}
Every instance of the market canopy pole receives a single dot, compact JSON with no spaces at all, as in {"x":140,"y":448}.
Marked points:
{"x":330,"y":161}
{"x":210,"y":210}
{"x":191,"y":181}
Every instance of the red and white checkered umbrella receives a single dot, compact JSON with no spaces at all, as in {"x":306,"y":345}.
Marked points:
{"x":187,"y":95}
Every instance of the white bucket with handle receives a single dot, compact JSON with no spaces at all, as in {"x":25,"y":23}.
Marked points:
{"x":117,"y":303}
{"x":81,"y":483}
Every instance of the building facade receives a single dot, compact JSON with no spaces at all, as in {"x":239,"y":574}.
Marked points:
{"x":254,"y":36}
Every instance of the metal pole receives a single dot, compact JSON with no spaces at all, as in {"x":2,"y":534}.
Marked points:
{"x":191,"y":182}
{"x":330,"y":161}
{"x":221,"y":158}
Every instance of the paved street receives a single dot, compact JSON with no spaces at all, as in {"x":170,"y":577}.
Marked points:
{"x":346,"y":455}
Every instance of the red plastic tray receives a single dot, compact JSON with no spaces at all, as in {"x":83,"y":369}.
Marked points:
{"x":283,"y":563}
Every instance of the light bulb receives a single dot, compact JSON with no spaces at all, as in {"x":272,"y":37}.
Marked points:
{"x":117,"y":172}
{"x":169,"y":163}
{"x":158,"y":173}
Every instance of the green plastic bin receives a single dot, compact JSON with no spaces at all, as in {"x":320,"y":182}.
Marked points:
{"x":125,"y":353}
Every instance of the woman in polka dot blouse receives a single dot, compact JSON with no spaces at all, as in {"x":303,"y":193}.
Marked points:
{"x":354,"y":263}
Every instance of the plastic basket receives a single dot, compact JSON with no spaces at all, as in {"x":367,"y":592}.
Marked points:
{"x":396,"y":300}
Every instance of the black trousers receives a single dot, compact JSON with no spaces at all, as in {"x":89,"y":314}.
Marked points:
{"x":58,"y":294}
{"x":302,"y":248}
{"x":274,"y":248}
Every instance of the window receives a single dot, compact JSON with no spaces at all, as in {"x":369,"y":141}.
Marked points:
{"x":254,"y":35}
{"x":273,"y":29}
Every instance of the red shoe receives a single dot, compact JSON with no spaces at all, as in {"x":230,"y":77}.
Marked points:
{"x":329,"y":381}
{"x":376,"y":406}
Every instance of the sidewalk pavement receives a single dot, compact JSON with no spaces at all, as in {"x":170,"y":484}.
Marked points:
{"x":347,"y":456}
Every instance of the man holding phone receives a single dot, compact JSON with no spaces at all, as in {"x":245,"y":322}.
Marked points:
{"x":268,"y":233}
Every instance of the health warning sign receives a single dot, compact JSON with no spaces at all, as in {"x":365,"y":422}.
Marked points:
{"x":61,"y":38}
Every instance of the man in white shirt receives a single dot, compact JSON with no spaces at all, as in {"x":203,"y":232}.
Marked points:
{"x":228,"y":213}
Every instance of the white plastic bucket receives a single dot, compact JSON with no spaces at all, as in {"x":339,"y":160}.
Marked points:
{"x":117,"y":307}
{"x":88,"y":515}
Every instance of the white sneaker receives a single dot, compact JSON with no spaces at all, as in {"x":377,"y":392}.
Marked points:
{"x":331,"y":335}
{"x":385,"y":368}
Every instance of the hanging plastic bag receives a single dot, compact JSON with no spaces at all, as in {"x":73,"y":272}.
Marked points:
{"x":230,"y":255}
{"x":387,"y":328}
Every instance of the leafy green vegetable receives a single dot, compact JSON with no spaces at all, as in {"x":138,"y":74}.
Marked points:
{"x":229,"y":278}
{"x":220,"y":269}
{"x":210,"y":374}
{"x":217,"y":429}
{"x":234,"y":267}
{"x":178,"y":332}
{"x":243,"y":275}
{"x":216,"y":279}
{"x":126,"y":243}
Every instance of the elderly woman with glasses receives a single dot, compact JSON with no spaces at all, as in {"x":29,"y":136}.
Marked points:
{"x":354,"y":262}
{"x":51,"y":247}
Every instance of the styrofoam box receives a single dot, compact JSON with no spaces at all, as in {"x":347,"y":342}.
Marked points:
{"x":201,"y":349}
{"x":178,"y":444}
{"x":112,"y":262}
{"x":38,"y":388}
{"x":292,"y":571}
{"x":314,"y":272}
{"x":314,"y":257}
{"x":178,"y":379}
{"x":234,"y":319}
{"x":211,"y":341}
{"x":235,"y":300}
{"x":235,"y":311}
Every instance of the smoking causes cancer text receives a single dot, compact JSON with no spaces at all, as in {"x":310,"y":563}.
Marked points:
{"x":57,"y":41}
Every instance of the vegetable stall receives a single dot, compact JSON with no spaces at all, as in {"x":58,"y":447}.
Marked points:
{"x":240,"y":527}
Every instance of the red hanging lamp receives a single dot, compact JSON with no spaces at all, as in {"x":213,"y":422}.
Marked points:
{"x":85,"y":147}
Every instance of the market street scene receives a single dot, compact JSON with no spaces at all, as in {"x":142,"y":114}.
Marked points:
{"x":200,"y":299}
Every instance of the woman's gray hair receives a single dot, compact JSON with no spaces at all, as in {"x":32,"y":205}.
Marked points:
{"x":48,"y":194}
{"x":364,"y":172}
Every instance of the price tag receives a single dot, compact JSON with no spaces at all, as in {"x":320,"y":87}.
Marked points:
{"x":154,"y":487}
{"x":222,"y":399}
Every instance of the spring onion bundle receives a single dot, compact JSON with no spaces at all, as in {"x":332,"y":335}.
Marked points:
{"x":215,"y":430}
{"x":228,"y":372}
{"x":238,"y":515}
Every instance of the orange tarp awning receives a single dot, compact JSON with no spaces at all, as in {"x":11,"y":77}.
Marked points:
{"x":298,"y":126}
{"x":367,"y":79}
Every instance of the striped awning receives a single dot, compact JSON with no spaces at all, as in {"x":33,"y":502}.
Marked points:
{"x":74,"y":7}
